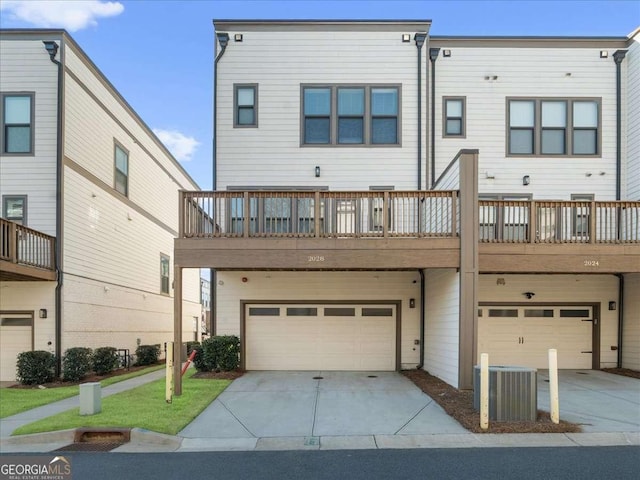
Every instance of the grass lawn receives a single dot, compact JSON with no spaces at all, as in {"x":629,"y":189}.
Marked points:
{"x":17,"y":400}
{"x":142,"y":407}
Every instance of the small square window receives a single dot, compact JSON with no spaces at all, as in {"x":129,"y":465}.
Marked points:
{"x":245,"y":105}
{"x":454,"y":117}
{"x":14,"y":208}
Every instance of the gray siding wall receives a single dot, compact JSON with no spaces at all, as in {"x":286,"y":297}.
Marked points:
{"x":633,"y":120}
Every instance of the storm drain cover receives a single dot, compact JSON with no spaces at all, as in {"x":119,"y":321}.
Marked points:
{"x":90,"y":447}
{"x":310,"y":441}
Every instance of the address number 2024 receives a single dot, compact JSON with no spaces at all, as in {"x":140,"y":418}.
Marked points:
{"x":591,"y":263}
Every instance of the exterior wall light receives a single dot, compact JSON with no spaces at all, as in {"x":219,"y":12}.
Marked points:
{"x":612,"y":305}
{"x":42,"y":313}
{"x":317,"y":170}
{"x":237,"y":37}
{"x":446,"y":53}
{"x":604,"y":53}
{"x":406,"y":38}
{"x":526,"y":180}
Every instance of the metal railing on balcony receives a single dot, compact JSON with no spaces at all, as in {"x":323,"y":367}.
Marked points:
{"x":25,"y":246}
{"x":532,"y":221}
{"x":364,"y":214}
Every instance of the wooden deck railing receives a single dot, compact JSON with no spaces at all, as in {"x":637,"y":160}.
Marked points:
{"x":376,"y":214}
{"x":534,"y":221}
{"x":319,"y":214}
{"x":25,"y":246}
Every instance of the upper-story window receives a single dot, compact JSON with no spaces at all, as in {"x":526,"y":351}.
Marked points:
{"x":17,"y":123}
{"x":121,"y":170}
{"x":552,"y":127}
{"x":245,"y":100}
{"x":14,"y":208}
{"x":350,"y":115}
{"x":454,"y":117}
{"x":165,"y":265}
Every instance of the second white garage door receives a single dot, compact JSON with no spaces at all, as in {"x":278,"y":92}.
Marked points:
{"x":16,"y":336}
{"x":320,"y":337}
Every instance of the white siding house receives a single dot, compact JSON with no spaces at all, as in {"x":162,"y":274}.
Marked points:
{"x":353,"y":162}
{"x":116,"y":197}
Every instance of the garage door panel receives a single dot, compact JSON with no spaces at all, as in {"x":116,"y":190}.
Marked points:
{"x":525,"y":338}
{"x":319,"y":342}
{"x":14,"y":339}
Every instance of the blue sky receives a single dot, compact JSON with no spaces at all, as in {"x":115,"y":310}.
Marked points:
{"x":159,"y":54}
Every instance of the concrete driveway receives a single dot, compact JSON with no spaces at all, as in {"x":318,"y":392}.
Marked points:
{"x":297,"y":404}
{"x":599,"y":401}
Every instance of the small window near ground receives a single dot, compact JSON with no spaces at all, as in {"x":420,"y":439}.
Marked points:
{"x":121,"y":170}
{"x":17,"y":123}
{"x":164,"y":274}
{"x":245,"y":106}
{"x":454,"y":117}
{"x":14,"y":208}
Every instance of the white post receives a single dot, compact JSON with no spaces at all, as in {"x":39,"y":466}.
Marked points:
{"x":554,"y":401}
{"x":169,"y":379}
{"x":484,"y":391}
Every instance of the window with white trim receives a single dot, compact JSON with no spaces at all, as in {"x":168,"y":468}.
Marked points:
{"x":553,"y":127}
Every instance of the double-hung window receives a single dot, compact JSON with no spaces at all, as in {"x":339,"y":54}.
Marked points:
{"x":350,"y":115}
{"x":454,"y":117}
{"x":245,"y":105}
{"x":121,"y":170}
{"x":553,"y":126}
{"x":17,"y":123}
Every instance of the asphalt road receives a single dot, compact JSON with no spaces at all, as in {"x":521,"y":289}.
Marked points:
{"x":578,"y":463}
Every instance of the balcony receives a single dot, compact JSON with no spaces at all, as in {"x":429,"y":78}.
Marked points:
{"x":25,"y":254}
{"x":316,"y":230}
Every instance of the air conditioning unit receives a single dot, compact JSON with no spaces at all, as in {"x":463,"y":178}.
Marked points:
{"x":513,"y":393}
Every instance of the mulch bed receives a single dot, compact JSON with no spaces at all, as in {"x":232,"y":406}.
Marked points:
{"x":626,"y":372}
{"x":459,"y":405}
{"x":231,"y":375}
{"x":91,"y":377}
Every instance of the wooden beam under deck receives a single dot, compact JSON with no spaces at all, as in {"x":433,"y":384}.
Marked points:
{"x":560,"y":258}
{"x":318,"y":253}
{"x":16,"y":272}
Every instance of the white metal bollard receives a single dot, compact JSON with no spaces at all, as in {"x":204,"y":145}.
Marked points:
{"x":484,"y":391}
{"x":554,"y":401}
{"x":169,"y":379}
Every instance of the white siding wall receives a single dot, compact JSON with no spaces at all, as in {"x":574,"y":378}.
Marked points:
{"x":442,"y":329}
{"x":32,"y":296}
{"x":562,"y":288}
{"x":279,"y":62}
{"x":526,"y":72}
{"x":25,"y":67}
{"x":98,"y":315}
{"x":633,"y":120}
{"x":322,"y":286}
{"x":631,"y":322}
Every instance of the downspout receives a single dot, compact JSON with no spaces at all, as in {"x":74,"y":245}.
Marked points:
{"x":620,"y":316}
{"x":223,"y":40}
{"x":433,"y":56}
{"x":422,"y":309}
{"x":420,"y":38}
{"x":52,"y":49}
{"x":618,"y":56}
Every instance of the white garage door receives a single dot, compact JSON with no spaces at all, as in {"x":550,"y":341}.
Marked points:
{"x":320,"y":337}
{"x":519,"y":335}
{"x":15,"y":337}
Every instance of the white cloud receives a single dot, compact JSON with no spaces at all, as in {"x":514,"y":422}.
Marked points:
{"x":181,"y":146}
{"x":71,"y":15}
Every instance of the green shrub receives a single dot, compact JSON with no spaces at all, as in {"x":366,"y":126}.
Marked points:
{"x":36,"y":367}
{"x":105,"y":360}
{"x":147,"y":354}
{"x":221,"y":353}
{"x":191,"y":346}
{"x":76,"y":363}
{"x":198,"y":361}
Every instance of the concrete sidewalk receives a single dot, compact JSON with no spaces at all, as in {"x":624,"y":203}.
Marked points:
{"x":293,"y":411}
